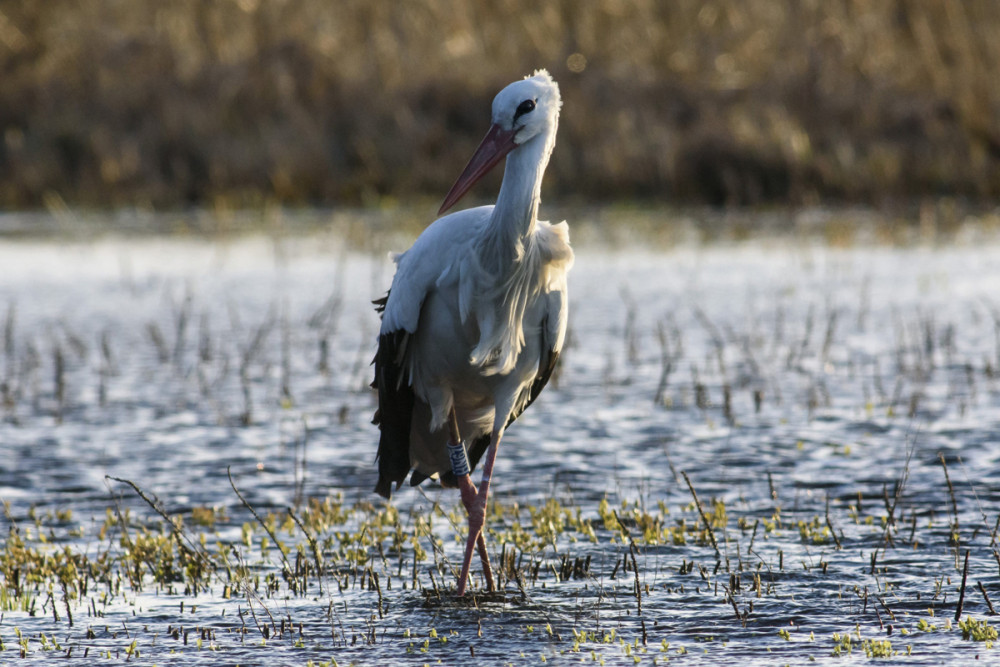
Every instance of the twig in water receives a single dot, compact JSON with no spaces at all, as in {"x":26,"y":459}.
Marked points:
{"x":251,"y":596}
{"x":903,"y":477}
{"x":60,"y":382}
{"x":286,"y":360}
{"x":673,"y":470}
{"x":181,"y":317}
{"x":300,"y":466}
{"x":8,"y":335}
{"x":829,"y":523}
{"x":667,"y":363}
{"x":317,"y":554}
{"x":178,"y":534}
{"x":635,"y":573}
{"x":740,"y":617}
{"x":753,"y":536}
{"x":277,"y":544}
{"x":708,"y":525}
{"x":156,"y":336}
{"x":638,"y":589}
{"x":979,"y":504}
{"x":631,"y":335}
{"x":951,"y":492}
{"x":986,"y":597}
{"x":718,"y":342}
{"x":878,"y":598}
{"x":961,"y":591}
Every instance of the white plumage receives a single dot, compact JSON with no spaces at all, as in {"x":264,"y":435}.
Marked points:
{"x":476,"y":315}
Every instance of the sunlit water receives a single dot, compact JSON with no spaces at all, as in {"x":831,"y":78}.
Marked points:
{"x":780,"y":374}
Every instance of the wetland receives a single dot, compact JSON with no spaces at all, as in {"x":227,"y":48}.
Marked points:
{"x":772,"y":448}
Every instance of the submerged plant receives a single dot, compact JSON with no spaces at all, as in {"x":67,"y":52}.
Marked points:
{"x":977,"y":630}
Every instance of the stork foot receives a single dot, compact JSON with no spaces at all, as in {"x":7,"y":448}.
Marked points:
{"x":475,"y":505}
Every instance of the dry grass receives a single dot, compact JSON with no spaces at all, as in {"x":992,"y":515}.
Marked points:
{"x":140,"y":102}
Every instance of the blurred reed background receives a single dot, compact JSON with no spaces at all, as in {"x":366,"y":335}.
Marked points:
{"x":166,"y":104}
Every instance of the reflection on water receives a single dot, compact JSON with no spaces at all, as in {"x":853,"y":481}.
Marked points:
{"x":774,"y":374}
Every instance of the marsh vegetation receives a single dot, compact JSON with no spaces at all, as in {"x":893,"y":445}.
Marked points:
{"x":774,"y":448}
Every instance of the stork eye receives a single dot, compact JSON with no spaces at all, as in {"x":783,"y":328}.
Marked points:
{"x":524,"y":107}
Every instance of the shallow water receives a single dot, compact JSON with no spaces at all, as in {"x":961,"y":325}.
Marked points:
{"x":803,"y":383}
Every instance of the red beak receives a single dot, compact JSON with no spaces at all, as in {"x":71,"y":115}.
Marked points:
{"x":495,"y":145}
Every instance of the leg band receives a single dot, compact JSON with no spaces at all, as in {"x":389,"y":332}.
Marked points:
{"x":459,"y":461}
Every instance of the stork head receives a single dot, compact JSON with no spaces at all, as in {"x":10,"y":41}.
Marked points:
{"x":527,"y":107}
{"x":524,"y":110}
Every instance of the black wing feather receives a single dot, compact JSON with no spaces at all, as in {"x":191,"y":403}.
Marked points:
{"x":395,"y":409}
{"x":541,"y":380}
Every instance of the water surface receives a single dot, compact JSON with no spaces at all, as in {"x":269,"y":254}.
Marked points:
{"x":807,"y":392}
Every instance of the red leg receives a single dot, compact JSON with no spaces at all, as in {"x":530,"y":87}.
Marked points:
{"x":477,"y":517}
{"x":484,"y":558}
{"x":475,"y":505}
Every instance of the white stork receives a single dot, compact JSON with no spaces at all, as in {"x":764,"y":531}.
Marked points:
{"x":476,"y":316}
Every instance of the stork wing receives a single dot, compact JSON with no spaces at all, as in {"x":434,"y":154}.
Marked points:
{"x":553,"y":337}
{"x":431,"y":260}
{"x":395,"y":407}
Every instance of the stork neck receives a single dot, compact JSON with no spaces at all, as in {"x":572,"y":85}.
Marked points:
{"x":516,"y":210}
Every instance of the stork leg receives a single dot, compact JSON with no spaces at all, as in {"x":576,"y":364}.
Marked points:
{"x":477,"y":516}
{"x":475,"y":503}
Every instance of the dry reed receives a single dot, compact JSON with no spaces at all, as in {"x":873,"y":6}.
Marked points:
{"x":242,"y":102}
